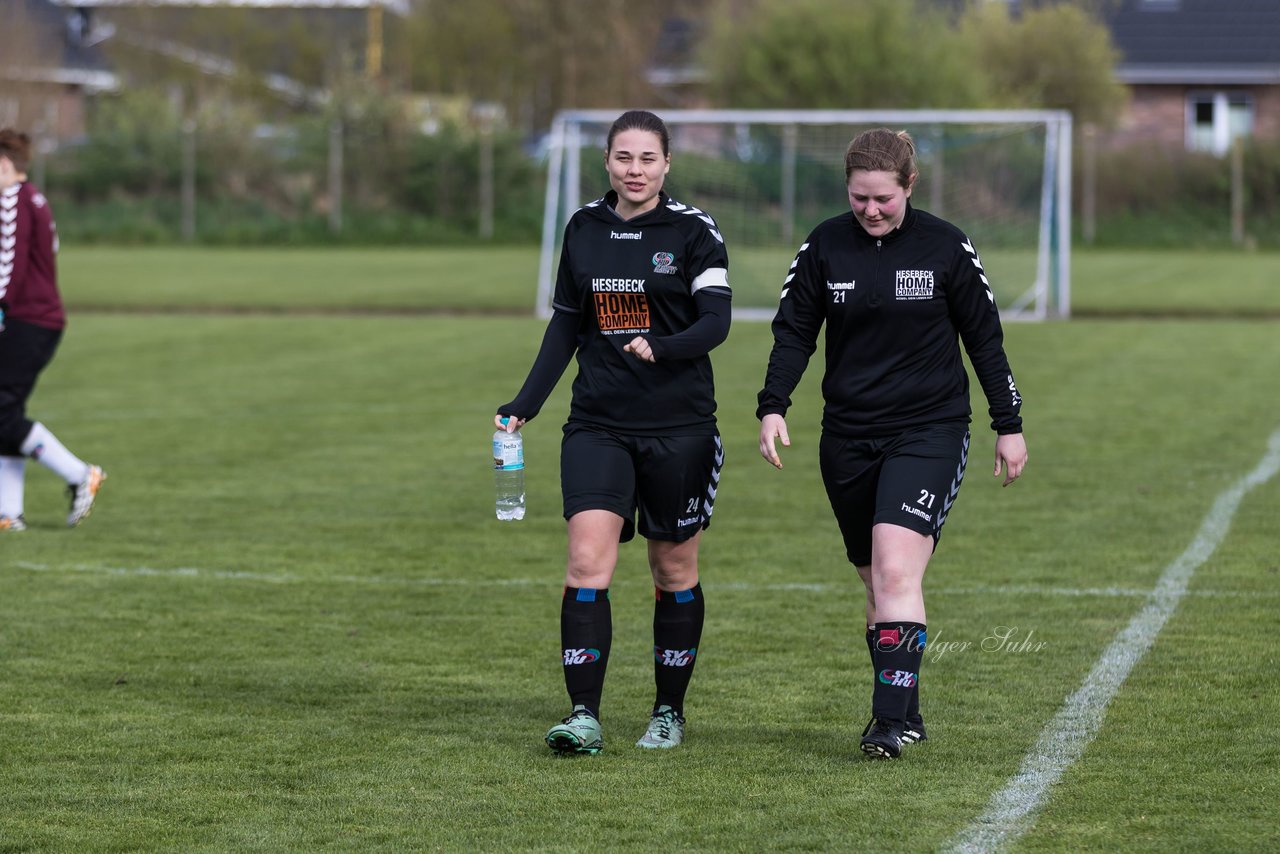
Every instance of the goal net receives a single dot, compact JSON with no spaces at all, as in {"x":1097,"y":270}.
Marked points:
{"x":769,"y":176}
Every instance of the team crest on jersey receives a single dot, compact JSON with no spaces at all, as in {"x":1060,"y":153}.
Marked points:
{"x":664,"y":262}
{"x":914,"y":284}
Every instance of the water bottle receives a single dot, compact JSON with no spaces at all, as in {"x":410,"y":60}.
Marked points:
{"x":508,"y":474}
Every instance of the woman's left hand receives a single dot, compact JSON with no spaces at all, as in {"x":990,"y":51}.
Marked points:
{"x":640,"y":348}
{"x":1011,"y":452}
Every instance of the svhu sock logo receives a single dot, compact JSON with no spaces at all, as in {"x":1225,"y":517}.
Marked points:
{"x":581,"y":656}
{"x":674,"y":657}
{"x":898,"y":678}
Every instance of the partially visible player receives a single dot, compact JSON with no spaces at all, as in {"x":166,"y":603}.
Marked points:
{"x":642,"y":296}
{"x":899,"y":290}
{"x":31,"y":324}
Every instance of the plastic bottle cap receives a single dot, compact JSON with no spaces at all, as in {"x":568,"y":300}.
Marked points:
{"x":505,"y":419}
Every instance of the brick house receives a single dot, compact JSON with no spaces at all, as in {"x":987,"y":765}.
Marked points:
{"x":1200,"y":72}
{"x":53,"y":52}
{"x":50,"y":59}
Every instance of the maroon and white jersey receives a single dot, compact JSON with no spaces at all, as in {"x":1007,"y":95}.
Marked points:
{"x":28,"y":258}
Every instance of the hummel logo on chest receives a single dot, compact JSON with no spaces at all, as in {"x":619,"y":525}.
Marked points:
{"x":625,"y":235}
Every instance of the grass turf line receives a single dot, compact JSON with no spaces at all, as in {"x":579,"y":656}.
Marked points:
{"x":503,"y":280}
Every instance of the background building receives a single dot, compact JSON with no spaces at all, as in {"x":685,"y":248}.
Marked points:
{"x":1200,"y":71}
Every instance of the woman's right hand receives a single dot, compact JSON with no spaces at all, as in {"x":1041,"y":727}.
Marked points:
{"x":773,"y":427}
{"x":514,"y":422}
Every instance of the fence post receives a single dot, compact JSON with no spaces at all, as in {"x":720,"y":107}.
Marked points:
{"x":1237,"y":191}
{"x":1089,"y":186}
{"x":37,"y":156}
{"x":45,"y":135}
{"x":486,"y":183}
{"x":486,"y":117}
{"x":938,"y":170}
{"x":789,"y":144}
{"x":189,"y":178}
{"x":335,"y":176}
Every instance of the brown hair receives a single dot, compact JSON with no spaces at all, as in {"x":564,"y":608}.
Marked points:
{"x":17,"y":147}
{"x":882,"y":150}
{"x":640,"y":120}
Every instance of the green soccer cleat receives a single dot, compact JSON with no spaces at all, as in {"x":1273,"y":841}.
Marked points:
{"x":578,"y":733}
{"x":666,"y":730}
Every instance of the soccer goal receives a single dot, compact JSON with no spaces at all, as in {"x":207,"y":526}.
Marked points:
{"x":769,"y":176}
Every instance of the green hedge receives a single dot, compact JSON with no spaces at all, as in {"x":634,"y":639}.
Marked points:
{"x":1156,"y":197}
{"x":262,"y":178}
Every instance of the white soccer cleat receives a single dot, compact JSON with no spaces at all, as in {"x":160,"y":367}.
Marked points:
{"x":12,"y":523}
{"x":666,"y":730}
{"x":83,"y":495}
{"x":578,"y":733}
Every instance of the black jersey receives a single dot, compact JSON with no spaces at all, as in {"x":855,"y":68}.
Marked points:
{"x":896,"y":309}
{"x":624,"y":278}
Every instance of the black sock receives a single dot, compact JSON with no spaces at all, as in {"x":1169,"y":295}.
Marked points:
{"x":677,"y":631}
{"x":913,"y":704}
{"x":898,"y":653}
{"x":586,"y":632}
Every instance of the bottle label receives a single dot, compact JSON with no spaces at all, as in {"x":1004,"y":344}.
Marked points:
{"x":508,"y":454}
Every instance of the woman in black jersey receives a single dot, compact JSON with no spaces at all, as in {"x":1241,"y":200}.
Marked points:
{"x":642,"y":296}
{"x":898,"y":290}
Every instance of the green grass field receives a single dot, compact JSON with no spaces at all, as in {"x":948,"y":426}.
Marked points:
{"x":293,"y":623}
{"x":504,"y":280}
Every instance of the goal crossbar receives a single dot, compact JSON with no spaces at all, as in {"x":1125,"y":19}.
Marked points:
{"x":1046,"y":296}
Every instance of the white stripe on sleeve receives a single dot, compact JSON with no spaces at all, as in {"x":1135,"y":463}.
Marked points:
{"x":712,"y":277}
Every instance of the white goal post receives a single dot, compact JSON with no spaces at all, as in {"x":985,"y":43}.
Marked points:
{"x":769,"y":176}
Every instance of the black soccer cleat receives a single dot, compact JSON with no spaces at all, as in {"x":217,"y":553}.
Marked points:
{"x":882,"y":739}
{"x":913,"y":731}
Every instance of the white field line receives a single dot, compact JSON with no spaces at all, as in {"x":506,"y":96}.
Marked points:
{"x":1064,"y":739}
{"x":192,"y":572}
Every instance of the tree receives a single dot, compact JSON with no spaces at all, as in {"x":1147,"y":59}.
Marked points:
{"x":914,"y":53}
{"x":848,"y":54}
{"x":537,"y":56}
{"x":1054,"y":56}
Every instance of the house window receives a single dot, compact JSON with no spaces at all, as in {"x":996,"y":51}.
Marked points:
{"x":1215,"y":119}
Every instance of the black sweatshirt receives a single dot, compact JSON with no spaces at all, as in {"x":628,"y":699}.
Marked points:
{"x":663,"y":276}
{"x":896,"y":309}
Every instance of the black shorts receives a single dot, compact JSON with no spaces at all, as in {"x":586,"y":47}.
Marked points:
{"x":25,"y":349}
{"x":910,"y":480}
{"x":671,"y":480}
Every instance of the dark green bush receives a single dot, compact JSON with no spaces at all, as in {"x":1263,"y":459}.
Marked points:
{"x":264,"y":178}
{"x":1151,"y":196}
